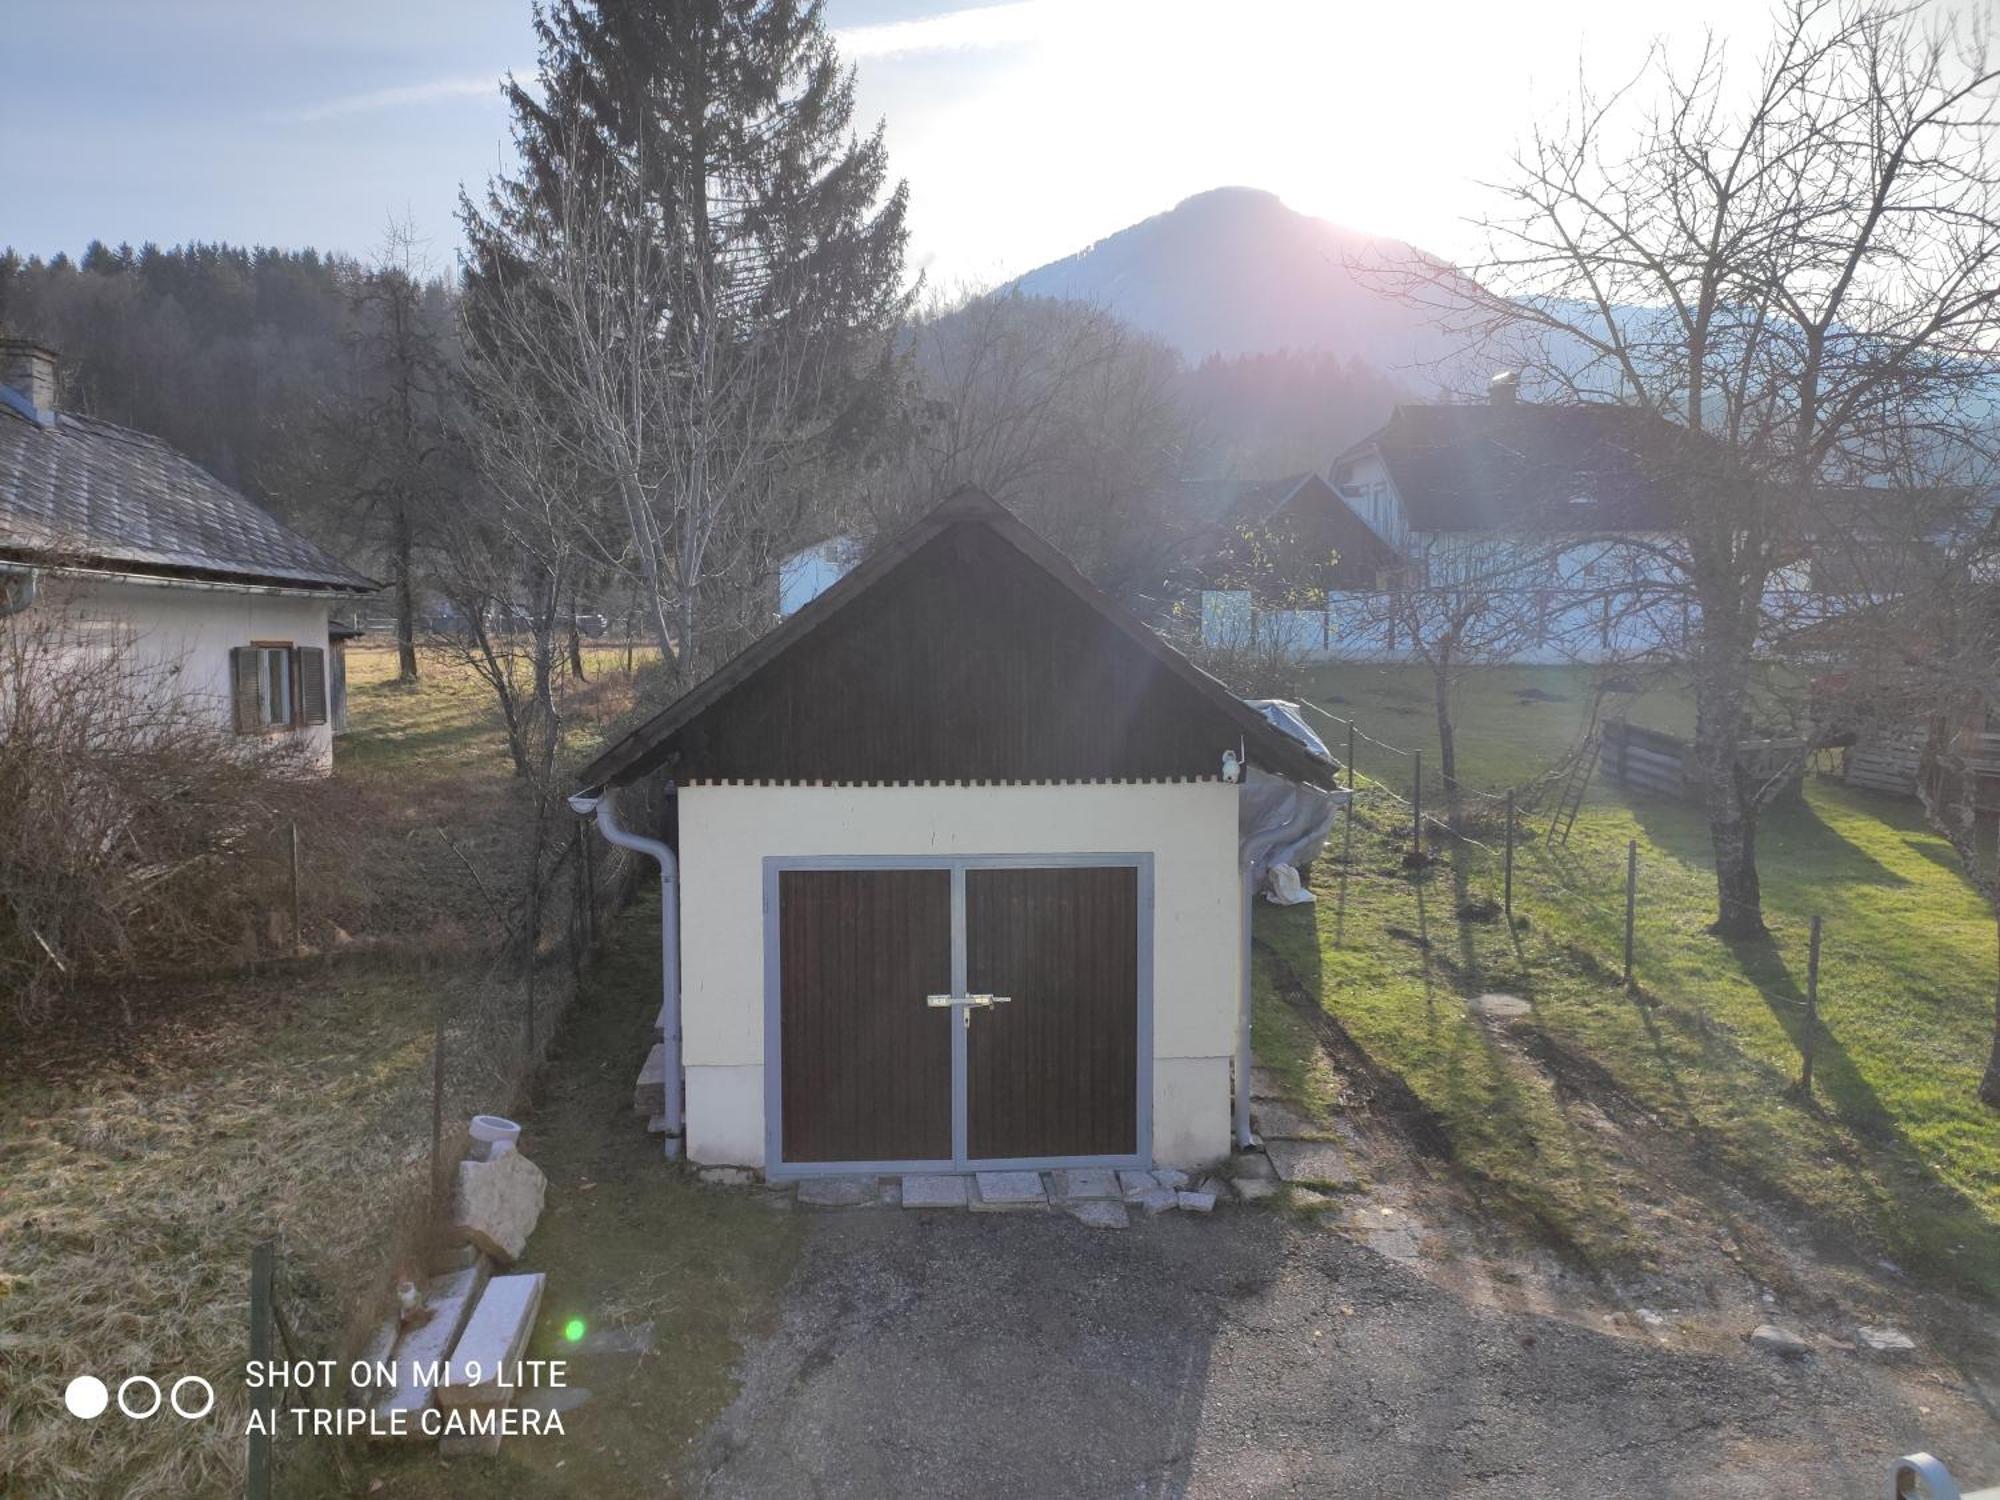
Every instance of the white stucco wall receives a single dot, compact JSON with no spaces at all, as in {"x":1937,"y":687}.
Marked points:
{"x":176,"y":640}
{"x":1190,"y":829}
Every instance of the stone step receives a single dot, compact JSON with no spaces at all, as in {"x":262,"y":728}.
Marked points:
{"x":494,"y":1337}
{"x":451,"y":1299}
{"x":649,"y":1095}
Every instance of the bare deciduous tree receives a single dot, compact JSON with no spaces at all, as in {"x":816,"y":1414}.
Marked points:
{"x":1799,"y":269}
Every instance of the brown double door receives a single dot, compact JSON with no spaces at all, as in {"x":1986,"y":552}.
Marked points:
{"x":885,"y":1053}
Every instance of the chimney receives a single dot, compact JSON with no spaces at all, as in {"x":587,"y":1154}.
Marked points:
{"x":1503,"y":389}
{"x":28,"y":377}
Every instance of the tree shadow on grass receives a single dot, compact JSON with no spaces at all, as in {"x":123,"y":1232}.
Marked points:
{"x":1791,"y":833}
{"x":1912,"y":1202}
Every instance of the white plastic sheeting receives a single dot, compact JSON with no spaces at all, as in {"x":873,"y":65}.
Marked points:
{"x":1283,"y":824}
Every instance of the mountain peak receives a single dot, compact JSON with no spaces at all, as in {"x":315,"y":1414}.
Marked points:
{"x":1234,"y":270}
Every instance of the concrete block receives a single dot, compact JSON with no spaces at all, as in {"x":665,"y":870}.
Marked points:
{"x":649,"y":1094}
{"x":1886,"y":1343}
{"x":1158,"y":1200}
{"x":1004,"y":1191}
{"x":1199,"y":1203}
{"x":1170,"y":1177}
{"x":494,"y":1339}
{"x":1132,"y":1184}
{"x":1256,"y":1189}
{"x":1779,"y":1341}
{"x":727,"y":1176}
{"x":450,"y":1300}
{"x":1087,"y":1182}
{"x":1317,"y":1162}
{"x":935,"y":1190}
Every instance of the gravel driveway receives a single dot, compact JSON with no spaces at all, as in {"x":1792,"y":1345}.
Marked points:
{"x":1249,"y":1354}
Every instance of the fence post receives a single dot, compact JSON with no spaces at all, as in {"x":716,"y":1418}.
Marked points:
{"x":263,"y":1260}
{"x":1507,"y":902}
{"x":1812,"y":1013}
{"x":1350,"y":757}
{"x":1631,"y":902}
{"x":1417,"y":808}
{"x":437,"y":1100}
{"x":298,"y":926}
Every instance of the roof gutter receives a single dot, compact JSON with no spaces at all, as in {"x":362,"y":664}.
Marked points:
{"x":207,"y":585}
{"x":585,"y":804}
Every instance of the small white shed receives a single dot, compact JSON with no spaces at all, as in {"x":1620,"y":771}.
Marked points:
{"x":960,"y":881}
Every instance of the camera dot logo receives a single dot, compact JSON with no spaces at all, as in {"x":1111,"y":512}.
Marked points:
{"x":86,"y":1397}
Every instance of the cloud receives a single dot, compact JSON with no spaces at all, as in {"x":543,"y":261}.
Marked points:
{"x":486,"y":86}
{"x":976,"y":29}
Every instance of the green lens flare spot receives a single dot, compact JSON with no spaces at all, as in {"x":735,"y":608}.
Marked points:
{"x":573,"y":1330}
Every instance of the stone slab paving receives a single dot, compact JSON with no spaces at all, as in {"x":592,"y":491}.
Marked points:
{"x":1131,"y":1184}
{"x":1001,"y":1192}
{"x":1320,"y":1162}
{"x":1277,"y":1120}
{"x":936,"y":1190}
{"x":837,"y":1192}
{"x":1086,"y":1182}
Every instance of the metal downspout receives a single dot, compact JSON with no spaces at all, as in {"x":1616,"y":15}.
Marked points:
{"x":586,"y":804}
{"x":1244,"y":1139}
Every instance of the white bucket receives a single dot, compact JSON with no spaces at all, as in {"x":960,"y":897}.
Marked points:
{"x":493,"y":1136}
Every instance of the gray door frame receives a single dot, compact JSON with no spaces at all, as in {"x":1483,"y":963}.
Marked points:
{"x":776,"y":1167}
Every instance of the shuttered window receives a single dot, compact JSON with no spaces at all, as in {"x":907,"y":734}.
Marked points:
{"x":312,"y":685}
{"x":274,"y":685}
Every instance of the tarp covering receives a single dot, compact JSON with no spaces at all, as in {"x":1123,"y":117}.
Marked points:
{"x":1283,"y":824}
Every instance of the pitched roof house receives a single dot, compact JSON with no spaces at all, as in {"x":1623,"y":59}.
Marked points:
{"x":125,"y":541}
{"x":961,"y":841}
{"x":1509,"y":466}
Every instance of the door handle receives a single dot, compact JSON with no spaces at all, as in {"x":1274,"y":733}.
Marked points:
{"x":968,"y":1002}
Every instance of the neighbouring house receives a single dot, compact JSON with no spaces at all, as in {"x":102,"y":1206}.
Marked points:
{"x":811,"y":571}
{"x":964,"y":854}
{"x":1563,"y":501}
{"x":122,"y":544}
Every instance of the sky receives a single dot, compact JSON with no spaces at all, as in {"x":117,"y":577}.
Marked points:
{"x":1026,"y":129}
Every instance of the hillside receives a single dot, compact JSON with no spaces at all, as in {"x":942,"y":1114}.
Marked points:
{"x":1234,"y":271}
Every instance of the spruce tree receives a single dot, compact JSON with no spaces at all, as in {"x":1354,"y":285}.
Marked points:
{"x":728,"y":127}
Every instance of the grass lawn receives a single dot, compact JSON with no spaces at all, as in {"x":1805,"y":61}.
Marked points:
{"x":140,"y":1163}
{"x":1893,"y":1155}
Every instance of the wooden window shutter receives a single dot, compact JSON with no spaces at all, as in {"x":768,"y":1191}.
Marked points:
{"x":246,"y":664}
{"x":312,"y":685}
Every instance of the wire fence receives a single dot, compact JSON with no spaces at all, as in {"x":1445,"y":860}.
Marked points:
{"x":1629,"y":909}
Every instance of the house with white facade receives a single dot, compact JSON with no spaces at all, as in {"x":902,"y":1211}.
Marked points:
{"x":117,"y":544}
{"x":1562,"y":506}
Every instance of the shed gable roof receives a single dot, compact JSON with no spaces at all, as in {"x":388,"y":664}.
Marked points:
{"x":966,"y":650}
{"x":1493,"y":467}
{"x":97,"y":495}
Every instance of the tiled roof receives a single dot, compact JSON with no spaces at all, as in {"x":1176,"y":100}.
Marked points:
{"x":1491,"y":467}
{"x":92,"y":494}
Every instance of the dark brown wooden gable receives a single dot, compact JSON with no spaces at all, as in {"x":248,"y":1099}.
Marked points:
{"x":967,"y":662}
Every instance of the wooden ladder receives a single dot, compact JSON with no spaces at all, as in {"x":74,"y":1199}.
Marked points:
{"x":1570,"y":801}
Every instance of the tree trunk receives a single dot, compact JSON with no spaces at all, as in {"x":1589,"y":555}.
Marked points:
{"x":1447,"y":741}
{"x":576,"y":650}
{"x":406,"y":601}
{"x":1722,"y":670}
{"x":1732,"y":823}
